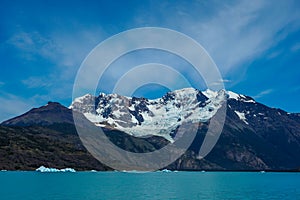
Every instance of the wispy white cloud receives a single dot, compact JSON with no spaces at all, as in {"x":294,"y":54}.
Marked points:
{"x":239,"y":33}
{"x":150,"y":73}
{"x":32,"y":44}
{"x":221,"y":81}
{"x":295,"y":47}
{"x":263,"y":93}
{"x":234,"y":33}
{"x":63,"y":50}
{"x":274,"y":54}
{"x":36,"y":82}
{"x":225,"y":80}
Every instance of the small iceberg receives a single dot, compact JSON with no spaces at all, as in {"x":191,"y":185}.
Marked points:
{"x":133,"y":171}
{"x":46,"y":169}
{"x":166,"y":170}
{"x":68,"y":170}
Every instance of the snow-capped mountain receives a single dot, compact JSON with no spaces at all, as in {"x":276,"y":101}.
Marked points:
{"x":142,"y":117}
{"x":254,"y":136}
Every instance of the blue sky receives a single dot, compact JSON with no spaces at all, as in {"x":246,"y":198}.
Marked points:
{"x":255,"y":44}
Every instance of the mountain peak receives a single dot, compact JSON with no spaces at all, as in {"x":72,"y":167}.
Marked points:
{"x":52,"y":112}
{"x":141,"y":116}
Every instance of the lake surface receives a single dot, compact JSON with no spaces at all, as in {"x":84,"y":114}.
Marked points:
{"x":154,"y":185}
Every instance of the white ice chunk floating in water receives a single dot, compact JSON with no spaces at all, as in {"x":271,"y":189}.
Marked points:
{"x":46,"y":169}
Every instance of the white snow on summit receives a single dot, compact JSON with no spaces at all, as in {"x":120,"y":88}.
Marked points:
{"x":239,"y":97}
{"x":210,"y":93}
{"x":235,"y":96}
{"x":142,"y":117}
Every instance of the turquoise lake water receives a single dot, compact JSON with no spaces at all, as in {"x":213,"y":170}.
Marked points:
{"x":154,"y":185}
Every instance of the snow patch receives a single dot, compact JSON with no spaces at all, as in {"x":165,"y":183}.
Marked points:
{"x":241,"y":116}
{"x":210,"y":94}
{"x":249,"y":101}
{"x":239,"y":97}
{"x":80,"y":100}
{"x":233,"y":95}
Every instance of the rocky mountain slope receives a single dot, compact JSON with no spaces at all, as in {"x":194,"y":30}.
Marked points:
{"x":254,"y":137}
